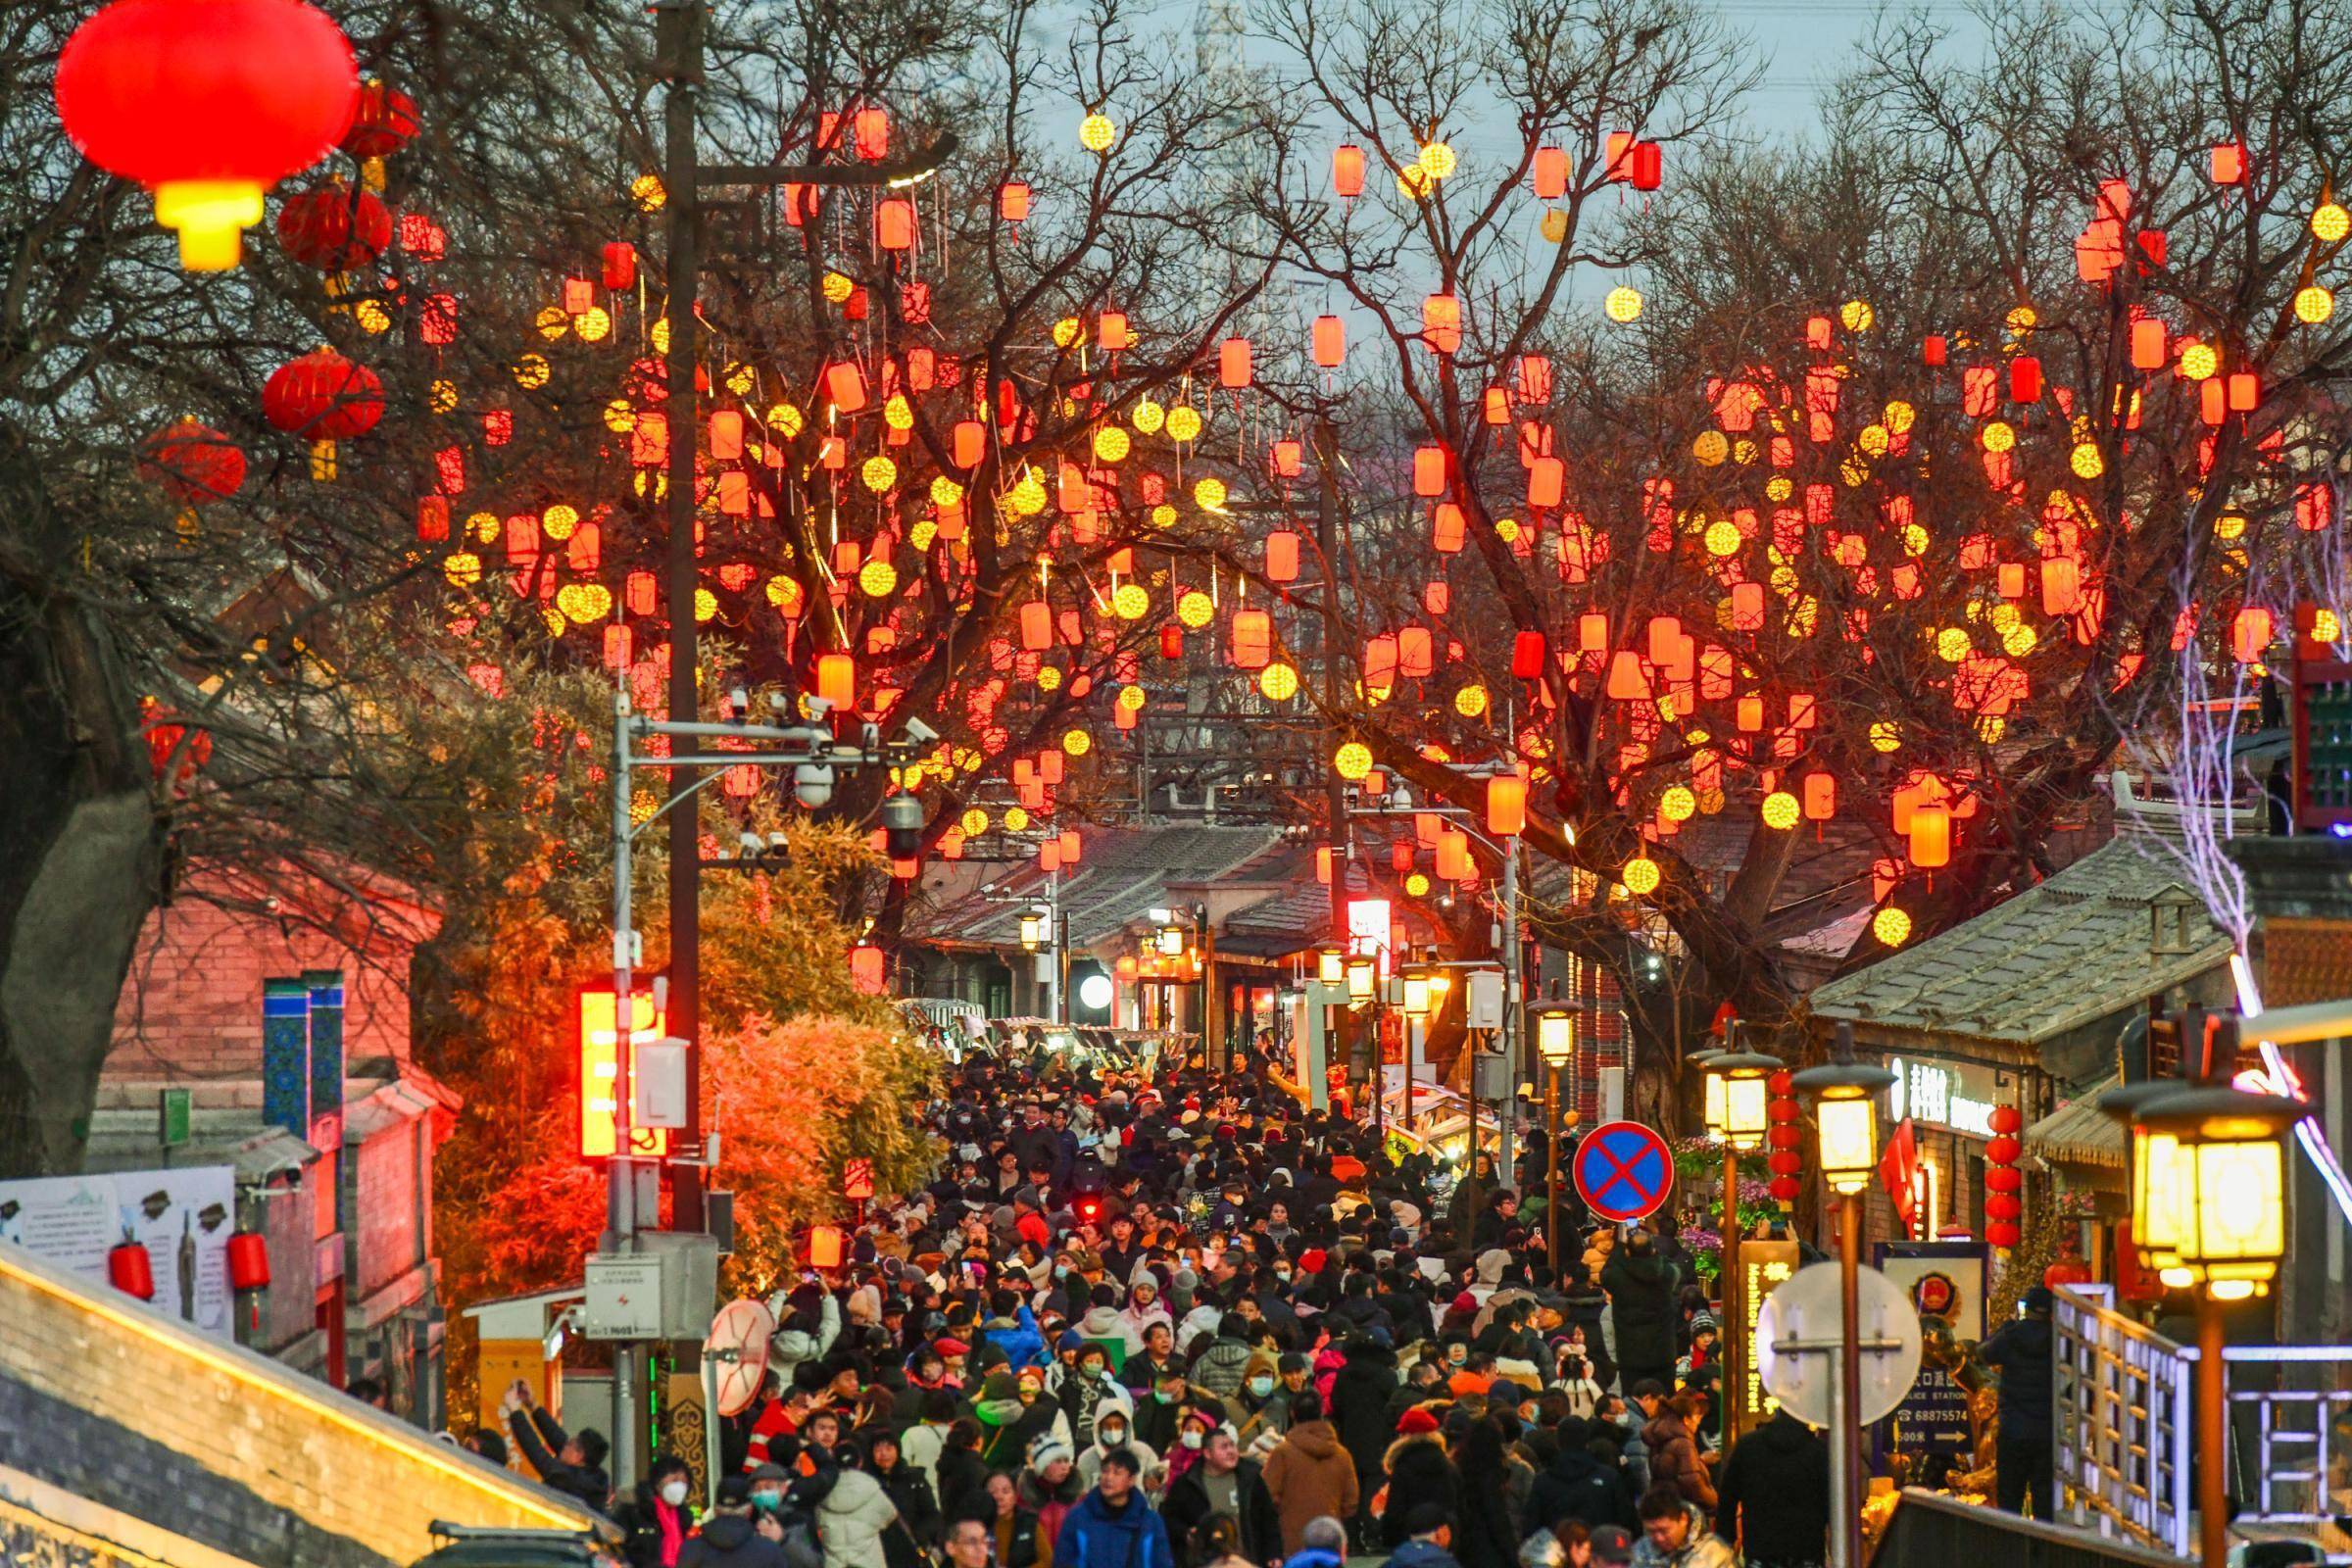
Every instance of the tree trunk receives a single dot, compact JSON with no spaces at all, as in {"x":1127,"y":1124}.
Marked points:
{"x":81,"y":868}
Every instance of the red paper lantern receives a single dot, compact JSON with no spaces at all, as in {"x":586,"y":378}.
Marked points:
{"x":1786,"y":1161}
{"x":2002,"y":1233}
{"x":324,"y":397}
{"x":620,"y":265}
{"x":249,"y":1261}
{"x":1347,"y":170}
{"x":130,"y":1270}
{"x":1785,"y":1187}
{"x":2006,"y":1119}
{"x":2003,"y":1150}
{"x":2003,"y":1206}
{"x":207,"y":103}
{"x":382,"y":124}
{"x":195,"y":464}
{"x":334,"y":228}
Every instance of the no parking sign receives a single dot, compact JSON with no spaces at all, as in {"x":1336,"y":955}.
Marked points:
{"x":1623,"y":1171}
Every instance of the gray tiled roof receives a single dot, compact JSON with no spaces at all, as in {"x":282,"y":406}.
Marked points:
{"x":1122,"y":872}
{"x":2057,"y":956}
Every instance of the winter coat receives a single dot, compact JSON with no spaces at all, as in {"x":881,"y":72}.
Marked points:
{"x":1421,"y":1554}
{"x":1017,"y":1338}
{"x":1050,"y":1503}
{"x":1701,"y":1548}
{"x":1486,"y":1534}
{"x":962,"y":1483}
{"x":1773,"y":1493}
{"x":1674,"y":1457}
{"x":541,"y":1438}
{"x":1133,"y":1321}
{"x":852,"y":1519}
{"x":1309,"y":1475}
{"x":1641,"y":1296}
{"x":1577,"y":1485}
{"x":910,"y":1495}
{"x":1095,"y":1535}
{"x":729,"y":1541}
{"x":1359,"y":1407}
{"x":1419,"y":1471}
{"x":1089,"y":1458}
{"x":2021,"y":1350}
{"x":1219,"y":1367}
{"x":1186,"y":1507}
{"x":1019,"y":1542}
{"x":640,"y":1519}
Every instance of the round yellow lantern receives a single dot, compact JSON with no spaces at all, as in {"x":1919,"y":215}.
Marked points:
{"x":1095,"y":133}
{"x":1471,"y":701}
{"x":1352,"y":760}
{"x":1641,"y":876}
{"x":1891,"y":926}
{"x":1278,"y":682}
{"x":1077,"y":742}
{"x":1621,"y":304}
{"x":2314,"y":305}
{"x":1209,"y":495}
{"x":1130,"y":600}
{"x":1196,"y":609}
{"x":1858,"y":315}
{"x":1112,"y":443}
{"x":1184,"y":422}
{"x":878,"y":579}
{"x":1782,"y":810}
{"x":2330,"y":222}
{"x":879,"y":473}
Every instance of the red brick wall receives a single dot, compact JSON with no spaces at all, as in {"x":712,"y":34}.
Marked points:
{"x":388,"y":1208}
{"x":191,"y":1008}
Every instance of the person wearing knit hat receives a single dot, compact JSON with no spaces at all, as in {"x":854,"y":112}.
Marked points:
{"x":1416,"y":1420}
{"x":1049,"y":1482}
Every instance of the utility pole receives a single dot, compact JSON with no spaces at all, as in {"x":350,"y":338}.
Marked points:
{"x":1327,"y":541}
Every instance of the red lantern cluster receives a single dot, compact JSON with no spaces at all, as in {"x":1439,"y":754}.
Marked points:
{"x":2003,"y":1181}
{"x":1784,"y":1138}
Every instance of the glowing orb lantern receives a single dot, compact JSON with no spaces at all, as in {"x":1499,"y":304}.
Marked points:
{"x":207,"y":103}
{"x":1622,"y":304}
{"x":1096,"y":134}
{"x":1641,"y":876}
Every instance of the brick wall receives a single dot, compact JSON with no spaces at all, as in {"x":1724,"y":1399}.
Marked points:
{"x":224,"y":1446}
{"x":389,"y":1245}
{"x":191,"y":1009}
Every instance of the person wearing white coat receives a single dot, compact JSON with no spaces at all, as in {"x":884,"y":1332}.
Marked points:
{"x":852,"y":1518}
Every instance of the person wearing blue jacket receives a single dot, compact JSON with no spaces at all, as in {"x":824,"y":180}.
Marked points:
{"x":1113,"y":1526}
{"x":1013,"y":1328}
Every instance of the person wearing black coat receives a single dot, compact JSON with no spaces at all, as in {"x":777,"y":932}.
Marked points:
{"x":1772,"y":1494}
{"x":648,"y":1521}
{"x":1643,"y":1287}
{"x":2021,"y":1350}
{"x":962,"y":1490}
{"x":1187,"y":1508}
{"x":1583,"y":1302}
{"x":1576,"y":1485}
{"x":1419,"y":1473}
{"x":1359,"y":1408}
{"x":568,"y":1463}
{"x":911,"y":1494}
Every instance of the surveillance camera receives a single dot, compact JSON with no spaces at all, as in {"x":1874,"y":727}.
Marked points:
{"x":739,"y":702}
{"x":820,"y":706}
{"x":777,"y":842}
{"x":812,"y":785}
{"x":776,"y":703}
{"x":920,"y":733}
{"x":747,"y":843}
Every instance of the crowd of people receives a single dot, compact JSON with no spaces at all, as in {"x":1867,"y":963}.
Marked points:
{"x":1177,"y":1321}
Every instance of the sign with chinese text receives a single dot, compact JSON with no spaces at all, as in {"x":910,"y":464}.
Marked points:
{"x":600,"y":1074}
{"x":1957,"y":1094}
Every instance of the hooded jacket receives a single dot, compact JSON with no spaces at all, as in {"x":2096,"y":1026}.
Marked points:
{"x":1359,"y":1407}
{"x":1773,"y":1491}
{"x":1674,"y":1457}
{"x":1577,"y":1485}
{"x":1419,"y":1472}
{"x":1309,"y":1475}
{"x":1220,"y":1367}
{"x":1089,"y":1458}
{"x":851,"y":1519}
{"x":728,"y":1541}
{"x":1095,"y":1534}
{"x":1642,"y":1300}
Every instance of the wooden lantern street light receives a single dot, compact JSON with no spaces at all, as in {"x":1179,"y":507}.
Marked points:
{"x":1555,"y":1043}
{"x":1032,"y":930}
{"x":1846,"y":1115}
{"x":207,"y":103}
{"x":2221,"y":1153}
{"x":2155,"y":1220}
{"x":1330,"y":965}
{"x":1740,"y":1098}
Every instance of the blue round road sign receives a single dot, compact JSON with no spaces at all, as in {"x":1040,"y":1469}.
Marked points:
{"x":1623,"y":1171}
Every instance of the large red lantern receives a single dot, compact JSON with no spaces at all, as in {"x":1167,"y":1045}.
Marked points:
{"x":335,"y":229}
{"x":196,"y":464}
{"x":249,"y":1261}
{"x":207,"y":103}
{"x":323,"y":396}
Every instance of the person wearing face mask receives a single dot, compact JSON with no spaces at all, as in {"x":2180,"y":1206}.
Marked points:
{"x":1115,"y":1430}
{"x":1262,"y":1406}
{"x":657,"y":1517}
{"x":731,"y":1539}
{"x":1090,"y":1387}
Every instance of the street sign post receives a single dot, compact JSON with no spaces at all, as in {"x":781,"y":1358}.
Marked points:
{"x":1623,"y":1171}
{"x":1800,"y":1332}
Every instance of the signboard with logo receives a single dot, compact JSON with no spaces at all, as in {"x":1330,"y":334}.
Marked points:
{"x":183,"y":1217}
{"x":1958,"y":1095}
{"x":1947,"y":1282}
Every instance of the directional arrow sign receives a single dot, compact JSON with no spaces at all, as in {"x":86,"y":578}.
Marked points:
{"x":1623,"y":1171}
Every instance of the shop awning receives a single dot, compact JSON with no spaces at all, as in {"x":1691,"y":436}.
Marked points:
{"x":2080,"y":1133}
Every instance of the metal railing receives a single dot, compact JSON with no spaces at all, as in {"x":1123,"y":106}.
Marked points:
{"x":2123,"y":1423}
{"x":1930,"y":1530}
{"x":2125,"y":1429}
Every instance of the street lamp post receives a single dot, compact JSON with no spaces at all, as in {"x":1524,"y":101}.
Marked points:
{"x":1555,"y":1043}
{"x":1845,"y":1113}
{"x":2222,"y":1154}
{"x":1745,"y":1076}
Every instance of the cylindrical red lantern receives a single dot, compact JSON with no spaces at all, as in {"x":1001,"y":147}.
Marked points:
{"x":1347,"y":170}
{"x":130,"y":1270}
{"x":249,"y":1261}
{"x":207,"y":103}
{"x":384,"y":123}
{"x":620,"y":265}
